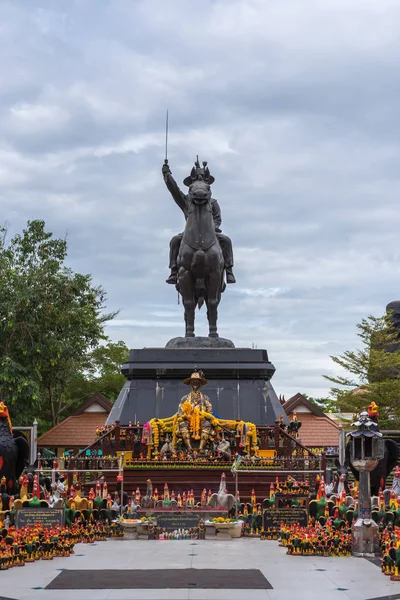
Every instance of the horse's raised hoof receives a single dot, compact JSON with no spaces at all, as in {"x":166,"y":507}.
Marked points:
{"x":230,"y":278}
{"x":172,"y":279}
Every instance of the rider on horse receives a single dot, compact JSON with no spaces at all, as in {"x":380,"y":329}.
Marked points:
{"x":197,"y":173}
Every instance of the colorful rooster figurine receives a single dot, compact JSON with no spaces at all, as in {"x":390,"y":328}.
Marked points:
{"x":373,"y":412}
{"x":317,"y":506}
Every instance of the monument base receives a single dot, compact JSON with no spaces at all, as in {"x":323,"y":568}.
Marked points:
{"x":238,"y":383}
{"x":199,"y":342}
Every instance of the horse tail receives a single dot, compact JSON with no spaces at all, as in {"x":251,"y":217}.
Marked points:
{"x":197,"y":268}
{"x":199,"y":292}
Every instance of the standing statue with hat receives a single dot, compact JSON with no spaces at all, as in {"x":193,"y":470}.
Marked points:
{"x":195,"y":426}
{"x":202,"y":254}
{"x":191,"y":403}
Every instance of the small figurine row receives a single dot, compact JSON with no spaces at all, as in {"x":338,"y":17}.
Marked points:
{"x":271,"y":533}
{"x":178,"y":457}
{"x":28,"y":544}
{"x":390,"y":548}
{"x":178,"y":534}
{"x":290,"y":486}
{"x":316,"y":540}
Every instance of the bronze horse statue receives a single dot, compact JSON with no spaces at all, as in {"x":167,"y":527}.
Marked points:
{"x":200,"y":260}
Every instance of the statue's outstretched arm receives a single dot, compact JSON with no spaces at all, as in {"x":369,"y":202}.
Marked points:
{"x":179,"y":197}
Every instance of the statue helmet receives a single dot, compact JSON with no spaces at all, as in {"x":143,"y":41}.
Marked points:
{"x":198,"y":172}
{"x":196,"y":376}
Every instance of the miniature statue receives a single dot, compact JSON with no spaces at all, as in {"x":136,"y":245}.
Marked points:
{"x":138,"y":497}
{"x":56,"y":498}
{"x":223,"y":448}
{"x":202,"y":529}
{"x":148,"y":499}
{"x":166,"y":449}
{"x":222,"y":499}
{"x":396,"y":482}
{"x":294,"y":426}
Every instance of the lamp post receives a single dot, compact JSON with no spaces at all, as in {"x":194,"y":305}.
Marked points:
{"x":367,"y":447}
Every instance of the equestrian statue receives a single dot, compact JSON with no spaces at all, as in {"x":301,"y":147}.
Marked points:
{"x":200,"y":257}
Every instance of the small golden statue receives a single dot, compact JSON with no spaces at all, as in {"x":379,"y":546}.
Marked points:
{"x":189,"y":409}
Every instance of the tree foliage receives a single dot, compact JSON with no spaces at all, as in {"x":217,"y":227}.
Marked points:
{"x":372,"y":371}
{"x":103,"y":374}
{"x":50,"y":320}
{"x":325,"y":404}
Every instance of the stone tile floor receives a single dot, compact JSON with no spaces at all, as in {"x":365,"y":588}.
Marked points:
{"x":297,"y":578}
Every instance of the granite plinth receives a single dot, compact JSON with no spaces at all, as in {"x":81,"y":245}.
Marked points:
{"x":238,"y":384}
{"x":199,"y":342}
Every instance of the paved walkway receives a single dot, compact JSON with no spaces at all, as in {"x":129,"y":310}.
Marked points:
{"x":292,"y":578}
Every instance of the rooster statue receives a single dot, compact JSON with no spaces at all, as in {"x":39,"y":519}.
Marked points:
{"x":373,"y":413}
{"x":294,"y":426}
{"x":14,"y":452}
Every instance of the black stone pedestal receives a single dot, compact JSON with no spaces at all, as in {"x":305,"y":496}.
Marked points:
{"x":238,"y":384}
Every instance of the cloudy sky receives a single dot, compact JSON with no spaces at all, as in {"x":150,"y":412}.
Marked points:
{"x":294,"y":104}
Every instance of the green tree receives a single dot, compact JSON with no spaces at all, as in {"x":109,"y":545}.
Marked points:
{"x":372,"y":372}
{"x":103,"y":373}
{"x":325,"y":404}
{"x":50,"y":320}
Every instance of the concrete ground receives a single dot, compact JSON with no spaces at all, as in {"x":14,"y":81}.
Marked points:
{"x":298,"y":578}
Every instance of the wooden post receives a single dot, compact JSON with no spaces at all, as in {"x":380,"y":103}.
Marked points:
{"x":277,"y":440}
{"x":342,"y":445}
{"x":236,"y":493}
{"x":71,"y":467}
{"x":117,"y":436}
{"x":323,"y":464}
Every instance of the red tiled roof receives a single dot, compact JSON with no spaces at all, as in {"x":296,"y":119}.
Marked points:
{"x":77,"y":430}
{"x":317,"y":432}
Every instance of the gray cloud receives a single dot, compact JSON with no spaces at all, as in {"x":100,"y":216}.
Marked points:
{"x":294,"y":105}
